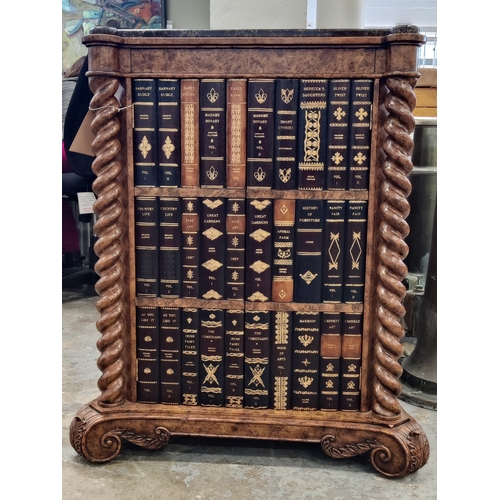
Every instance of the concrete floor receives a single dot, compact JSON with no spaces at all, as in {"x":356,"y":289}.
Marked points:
{"x":213,"y":469}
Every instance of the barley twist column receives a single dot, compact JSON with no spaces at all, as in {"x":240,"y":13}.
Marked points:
{"x":394,"y":208}
{"x":109,"y":266}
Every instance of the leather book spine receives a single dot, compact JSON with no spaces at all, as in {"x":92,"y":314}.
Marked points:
{"x":285,"y":139}
{"x":234,"y":359}
{"x":148,"y":354}
{"x":339,"y":95}
{"x":190,"y":132}
{"x":190,"y":356}
{"x":260,"y":133}
{"x":169,"y":133}
{"x":305,"y":360}
{"x":212,"y":357}
{"x":169,"y":243}
{"x":350,"y":364}
{"x":334,"y":251}
{"x":329,"y":362}
{"x":213,"y":133}
{"x":308,"y":263}
{"x":190,"y":253}
{"x":144,"y":95}
{"x":212,"y":248}
{"x":235,"y":248}
{"x":311,"y":144}
{"x":360,"y":134}
{"x":281,"y":360}
{"x":236,"y":125}
{"x":257,"y":353}
{"x":146,"y":246}
{"x":258,"y":254}
{"x":355,"y":251}
{"x":170,"y":355}
{"x":283,"y":250}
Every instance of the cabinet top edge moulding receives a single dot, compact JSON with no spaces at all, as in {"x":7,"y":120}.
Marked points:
{"x":245,"y":53}
{"x":394,"y":440}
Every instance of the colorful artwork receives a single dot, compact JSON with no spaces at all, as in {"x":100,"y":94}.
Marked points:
{"x":80,"y":16}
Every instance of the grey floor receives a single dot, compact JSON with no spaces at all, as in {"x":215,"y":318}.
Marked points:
{"x":207,"y":469}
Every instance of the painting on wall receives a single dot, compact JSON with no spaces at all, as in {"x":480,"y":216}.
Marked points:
{"x":80,"y":16}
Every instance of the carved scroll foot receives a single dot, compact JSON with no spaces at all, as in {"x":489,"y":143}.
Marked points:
{"x":98,"y":437}
{"x":394,"y":452}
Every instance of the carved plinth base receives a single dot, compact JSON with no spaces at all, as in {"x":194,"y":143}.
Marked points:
{"x":397,"y":447}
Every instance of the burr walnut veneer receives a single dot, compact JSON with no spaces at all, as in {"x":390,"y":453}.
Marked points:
{"x":396,"y":443}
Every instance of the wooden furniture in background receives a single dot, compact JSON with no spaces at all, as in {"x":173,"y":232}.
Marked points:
{"x":396,"y":443}
{"x":426,"y":92}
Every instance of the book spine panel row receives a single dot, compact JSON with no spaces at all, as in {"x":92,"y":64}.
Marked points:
{"x":245,"y":359}
{"x":283,"y":134}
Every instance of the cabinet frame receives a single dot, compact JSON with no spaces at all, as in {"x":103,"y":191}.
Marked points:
{"x":396,"y":443}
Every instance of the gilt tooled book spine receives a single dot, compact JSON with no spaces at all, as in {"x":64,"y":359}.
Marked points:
{"x":169,"y":247}
{"x":169,"y":133}
{"x":190,"y":244}
{"x":350,"y":364}
{"x":213,"y":133}
{"x":260,"y":133}
{"x":333,"y":251}
{"x":355,"y":251}
{"x":306,"y":337}
{"x":146,"y":246}
{"x":339,"y":95}
{"x":212,"y":357}
{"x":281,"y":360}
{"x":144,"y":95}
{"x":360,"y":134}
{"x":170,"y":355}
{"x":236,"y":126}
{"x":190,"y":132}
{"x":257,"y":354}
{"x":212,"y":248}
{"x":234,"y":358}
{"x":285,"y":139}
{"x":308,"y":263}
{"x":311,"y":145}
{"x":190,"y":356}
{"x":235,"y":248}
{"x":283,"y":250}
{"x":148,"y":355}
{"x":258,"y":253}
{"x":329,"y":363}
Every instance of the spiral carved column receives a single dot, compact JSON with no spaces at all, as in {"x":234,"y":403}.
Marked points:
{"x":109,"y":267}
{"x":394,"y":208}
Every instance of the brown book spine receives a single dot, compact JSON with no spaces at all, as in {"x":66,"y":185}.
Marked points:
{"x":305,"y":361}
{"x":148,"y":355}
{"x":234,"y":359}
{"x":212,"y":357}
{"x":350,"y":366}
{"x":257,"y":353}
{"x":281,"y":360}
{"x":235,"y":248}
{"x":190,"y":253}
{"x":329,"y":363}
{"x":170,"y":355}
{"x":190,"y":132}
{"x":236,"y":125}
{"x":190,"y":356}
{"x":258,"y":276}
{"x":146,"y":246}
{"x":283,"y":250}
{"x":169,"y":247}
